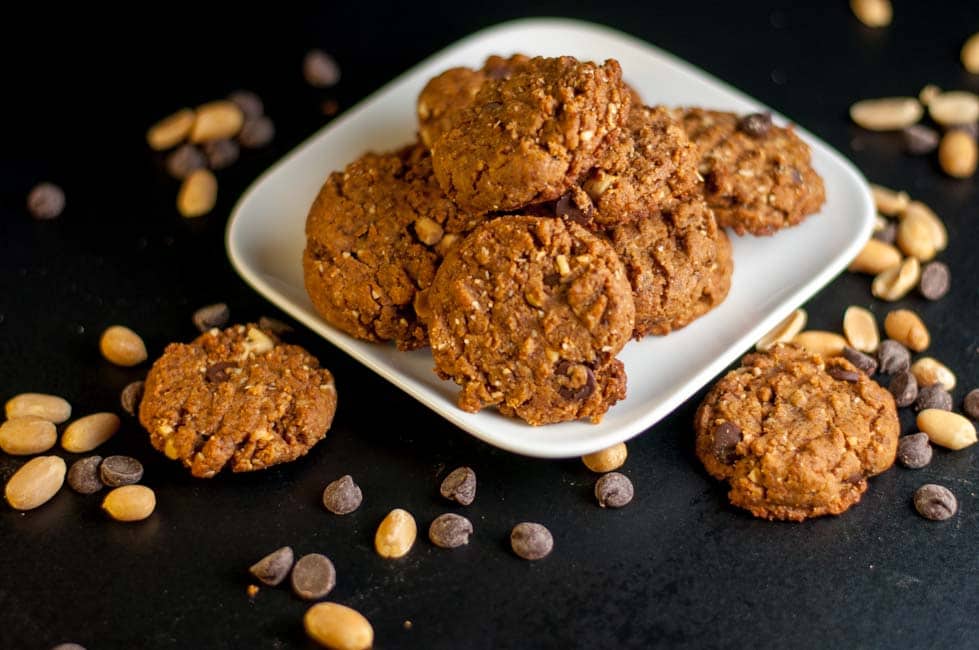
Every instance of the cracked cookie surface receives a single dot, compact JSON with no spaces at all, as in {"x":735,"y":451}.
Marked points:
{"x":236,"y":398}
{"x":794,"y":435}
{"x":527,"y":314}
{"x":375,"y":235}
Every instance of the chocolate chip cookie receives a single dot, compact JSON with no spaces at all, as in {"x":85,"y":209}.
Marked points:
{"x":236,"y":398}
{"x":374,"y":236}
{"x":527,"y":137}
{"x":757,"y":176}
{"x":528,"y":314}
{"x":794,"y":435}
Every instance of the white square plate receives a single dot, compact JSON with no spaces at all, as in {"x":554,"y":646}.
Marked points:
{"x":773,"y":275}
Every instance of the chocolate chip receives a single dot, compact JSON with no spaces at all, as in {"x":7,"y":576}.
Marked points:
{"x":450,"y":530}
{"x":274,"y":326}
{"x":256,"y":133}
{"x":120,"y":470}
{"x":320,"y":69}
{"x":843,"y":374}
{"x":183,"y":160}
{"x":757,"y":125}
{"x":914,"y":451}
{"x":971,"y":404}
{"x":904,"y":388}
{"x":726,"y":439}
{"x":211,"y":316}
{"x":68,"y":646}
{"x":46,"y":201}
{"x":531,"y":541}
{"x":249,"y":103}
{"x":313,"y":577}
{"x":571,"y":393}
{"x":131,"y":396}
{"x":888,"y":234}
{"x":893,"y":357}
{"x":935,"y":502}
{"x":567,"y":208}
{"x":272,"y":569}
{"x":920,"y":139}
{"x":864,"y":362}
{"x":83,"y":475}
{"x":933,"y":397}
{"x":218,"y":372}
{"x":221,"y":153}
{"x":342,"y":496}
{"x":936,"y":280}
{"x":613,"y":490}
{"x":459,"y":486}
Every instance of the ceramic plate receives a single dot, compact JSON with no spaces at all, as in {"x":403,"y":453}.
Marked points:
{"x":773,"y":275}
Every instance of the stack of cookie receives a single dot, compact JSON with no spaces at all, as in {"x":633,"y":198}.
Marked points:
{"x":544,"y":218}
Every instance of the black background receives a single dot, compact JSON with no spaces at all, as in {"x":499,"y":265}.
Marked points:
{"x":678,"y":567}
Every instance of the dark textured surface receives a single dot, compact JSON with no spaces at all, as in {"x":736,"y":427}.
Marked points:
{"x":677,"y":567}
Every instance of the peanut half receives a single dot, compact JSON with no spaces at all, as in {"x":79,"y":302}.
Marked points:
{"x":216,"y":121}
{"x":606,"y":460}
{"x":122,"y":346}
{"x":785,"y":331}
{"x":928,"y":371}
{"x":198,"y":194}
{"x":338,"y":627}
{"x":954,"y":108}
{"x":914,"y":237}
{"x":873,"y":13}
{"x":35,"y":483}
{"x":87,"y":433}
{"x":47,"y":407}
{"x":947,"y":429}
{"x":860,"y":328}
{"x":130,"y":503}
{"x":905,"y":327}
{"x":396,"y":534}
{"x":825,"y":344}
{"x":958,"y":154}
{"x":886,"y":113}
{"x":888,"y":201}
{"x":171,"y":130}
{"x":895,"y":282}
{"x":27,"y":435}
{"x":875,"y":256}
{"x":970,"y":54}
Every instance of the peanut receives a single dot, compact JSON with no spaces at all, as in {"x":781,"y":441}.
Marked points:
{"x":27,"y":435}
{"x":47,"y":407}
{"x":876,"y":256}
{"x":921,"y":212}
{"x":860,"y":329}
{"x":216,"y":121}
{"x":888,"y":201}
{"x":606,"y":460}
{"x":957,"y":154}
{"x":915,"y":238}
{"x":970,"y":54}
{"x":873,"y":13}
{"x":35,"y":483}
{"x":784,"y":331}
{"x":825,"y":344}
{"x":87,"y":433}
{"x":171,"y":130}
{"x":198,"y":194}
{"x":928,"y":371}
{"x":928,"y":93}
{"x":895,"y":283}
{"x":905,"y":327}
{"x":947,"y":429}
{"x":338,"y":627}
{"x":122,"y":346}
{"x":130,"y":503}
{"x":428,"y":230}
{"x":396,"y":534}
{"x":954,"y":108}
{"x":886,"y":113}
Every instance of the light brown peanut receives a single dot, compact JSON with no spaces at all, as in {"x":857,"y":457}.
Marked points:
{"x":35,"y":483}
{"x":130,"y":503}
{"x":860,"y":328}
{"x":928,"y":93}
{"x":171,"y":130}
{"x":27,"y":435}
{"x":895,"y":282}
{"x":921,"y":212}
{"x":785,"y":331}
{"x":47,"y":407}
{"x":970,"y":54}
{"x":216,"y":121}
{"x":875,"y":256}
{"x":954,"y":108}
{"x":396,"y":534}
{"x":338,"y":627}
{"x":958,"y":154}
{"x":122,"y":346}
{"x":905,"y":327}
{"x":87,"y":433}
{"x":914,"y":237}
{"x":606,"y":460}
{"x":928,"y":371}
{"x":428,"y":230}
{"x":947,"y":429}
{"x":873,"y":13}
{"x":198,"y":194}
{"x":888,"y":201}
{"x":825,"y":344}
{"x":886,"y":113}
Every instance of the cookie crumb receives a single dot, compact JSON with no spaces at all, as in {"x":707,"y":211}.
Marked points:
{"x":252,"y":591}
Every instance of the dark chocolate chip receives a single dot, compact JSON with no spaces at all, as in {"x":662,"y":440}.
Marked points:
{"x":726,"y":439}
{"x":120,"y":470}
{"x":46,"y":201}
{"x":567,"y":208}
{"x":459,"y":486}
{"x":221,"y":153}
{"x":843,"y":374}
{"x":893,"y":357}
{"x":920,"y":139}
{"x":342,"y":496}
{"x":218,"y":372}
{"x":211,"y":316}
{"x":904,"y":388}
{"x":274,"y":326}
{"x":272,"y":569}
{"x":935,"y":502}
{"x":914,"y":451}
{"x":131,"y":396}
{"x":83,"y":475}
{"x":614,"y":490}
{"x":933,"y":397}
{"x":450,"y":530}
{"x":757,"y":125}
{"x":936,"y":280}
{"x":971,"y":404}
{"x":320,"y":69}
{"x":256,"y":133}
{"x":249,"y":103}
{"x":531,"y":541}
{"x":183,"y":160}
{"x":864,"y":362}
{"x":796,"y":176}
{"x":313,"y":577}
{"x":888,"y":234}
{"x":571,"y":393}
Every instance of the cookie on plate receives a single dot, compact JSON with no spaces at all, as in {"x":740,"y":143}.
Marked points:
{"x":796,"y":436}
{"x":527,"y":314}
{"x":374,"y":236}
{"x":526,"y":138}
{"x":758,"y":177}
{"x":237,"y":398}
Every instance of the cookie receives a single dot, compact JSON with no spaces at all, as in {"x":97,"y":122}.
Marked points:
{"x":374,"y":236}
{"x":794,"y":435}
{"x":527,"y":314}
{"x":236,"y":398}
{"x":526,"y":138}
{"x":758,"y":177}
